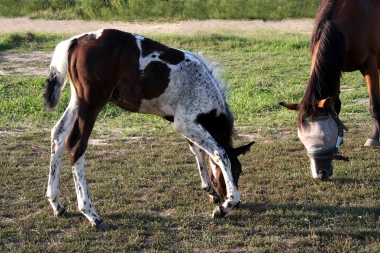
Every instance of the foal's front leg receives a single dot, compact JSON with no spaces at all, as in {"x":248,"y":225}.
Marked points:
{"x":202,"y":167}
{"x":205,"y":141}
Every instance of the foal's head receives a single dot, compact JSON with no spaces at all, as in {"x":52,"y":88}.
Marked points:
{"x":221,"y":129}
{"x":216,"y":175}
{"x":320,"y":134}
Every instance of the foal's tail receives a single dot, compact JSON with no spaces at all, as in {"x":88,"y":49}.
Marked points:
{"x":58,"y":74}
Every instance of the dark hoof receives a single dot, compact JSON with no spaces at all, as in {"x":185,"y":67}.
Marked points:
{"x":219,"y":213}
{"x":102,"y":226}
{"x":61,"y":212}
{"x":237,"y":205}
{"x":371,"y":143}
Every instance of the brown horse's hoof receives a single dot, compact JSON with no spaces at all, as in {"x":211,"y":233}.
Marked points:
{"x":371,"y":143}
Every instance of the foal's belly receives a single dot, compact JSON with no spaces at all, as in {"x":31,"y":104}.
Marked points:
{"x":153,"y":106}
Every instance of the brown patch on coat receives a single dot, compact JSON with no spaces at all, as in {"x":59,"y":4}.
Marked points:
{"x":218,"y":181}
{"x":154,"y":80}
{"x":166,"y":54}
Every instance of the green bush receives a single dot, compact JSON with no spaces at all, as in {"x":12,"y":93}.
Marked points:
{"x":9,"y":8}
{"x":159,"y":10}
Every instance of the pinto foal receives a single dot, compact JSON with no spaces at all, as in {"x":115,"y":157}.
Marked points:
{"x":139,"y":75}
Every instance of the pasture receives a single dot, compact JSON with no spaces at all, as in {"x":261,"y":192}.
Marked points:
{"x":143,"y":178}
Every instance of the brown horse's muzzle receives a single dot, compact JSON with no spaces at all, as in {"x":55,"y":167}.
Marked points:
{"x":321,"y":169}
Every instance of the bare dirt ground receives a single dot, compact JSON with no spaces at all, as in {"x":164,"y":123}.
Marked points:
{"x":37,"y":63}
{"x":8,"y":25}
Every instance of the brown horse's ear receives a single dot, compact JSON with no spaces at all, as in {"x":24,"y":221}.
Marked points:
{"x":326,"y":103}
{"x":243,"y":149}
{"x":289,"y":106}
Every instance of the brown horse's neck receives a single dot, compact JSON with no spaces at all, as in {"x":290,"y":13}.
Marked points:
{"x":324,"y":13}
{"x":328,"y":55}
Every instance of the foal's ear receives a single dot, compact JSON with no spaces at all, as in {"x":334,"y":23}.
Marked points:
{"x":326,"y":103}
{"x":243,"y":149}
{"x":289,"y":106}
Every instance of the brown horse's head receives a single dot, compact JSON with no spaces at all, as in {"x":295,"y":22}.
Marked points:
{"x":216,"y":174}
{"x":320,"y":136}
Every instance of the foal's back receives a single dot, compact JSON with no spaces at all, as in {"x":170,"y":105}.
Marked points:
{"x":141,"y":75}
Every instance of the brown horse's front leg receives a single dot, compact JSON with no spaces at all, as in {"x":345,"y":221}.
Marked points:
{"x":373,"y":140}
{"x":371,"y":75}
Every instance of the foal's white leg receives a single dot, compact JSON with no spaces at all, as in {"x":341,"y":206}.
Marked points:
{"x":204,"y":140}
{"x":84,"y":202}
{"x":58,"y":137}
{"x":202,"y":167}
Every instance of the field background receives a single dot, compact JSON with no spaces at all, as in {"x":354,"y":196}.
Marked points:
{"x":141,"y":175}
{"x":163,"y":10}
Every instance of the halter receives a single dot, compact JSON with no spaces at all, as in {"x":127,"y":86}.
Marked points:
{"x":335,"y":154}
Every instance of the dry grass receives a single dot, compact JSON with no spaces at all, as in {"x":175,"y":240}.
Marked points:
{"x":152,"y":198}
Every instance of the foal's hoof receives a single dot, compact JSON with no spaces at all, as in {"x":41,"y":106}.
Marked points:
{"x":102,"y":226}
{"x":61,"y":212}
{"x":214,"y":199}
{"x":371,"y":143}
{"x":219,"y":212}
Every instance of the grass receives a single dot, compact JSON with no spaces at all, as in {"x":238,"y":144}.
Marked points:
{"x":144,"y":182}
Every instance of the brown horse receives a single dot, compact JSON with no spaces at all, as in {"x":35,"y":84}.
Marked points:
{"x":346,"y":37}
{"x":139,"y":75}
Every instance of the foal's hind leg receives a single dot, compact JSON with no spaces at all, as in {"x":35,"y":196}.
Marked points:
{"x":206,"y":183}
{"x":58,"y":137}
{"x":200,"y":137}
{"x":77,"y":144}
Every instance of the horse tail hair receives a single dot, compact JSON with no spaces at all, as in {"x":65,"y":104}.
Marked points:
{"x":328,"y":65}
{"x":58,"y":74}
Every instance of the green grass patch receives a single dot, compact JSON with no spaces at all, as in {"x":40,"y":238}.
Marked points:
{"x":14,"y":42}
{"x":159,"y":10}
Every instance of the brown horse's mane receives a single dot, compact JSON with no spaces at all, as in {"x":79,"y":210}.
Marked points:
{"x":329,"y":62}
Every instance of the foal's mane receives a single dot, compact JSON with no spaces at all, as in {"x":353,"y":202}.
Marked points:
{"x":328,"y":64}
{"x":214,"y":69}
{"x":221,"y":127}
